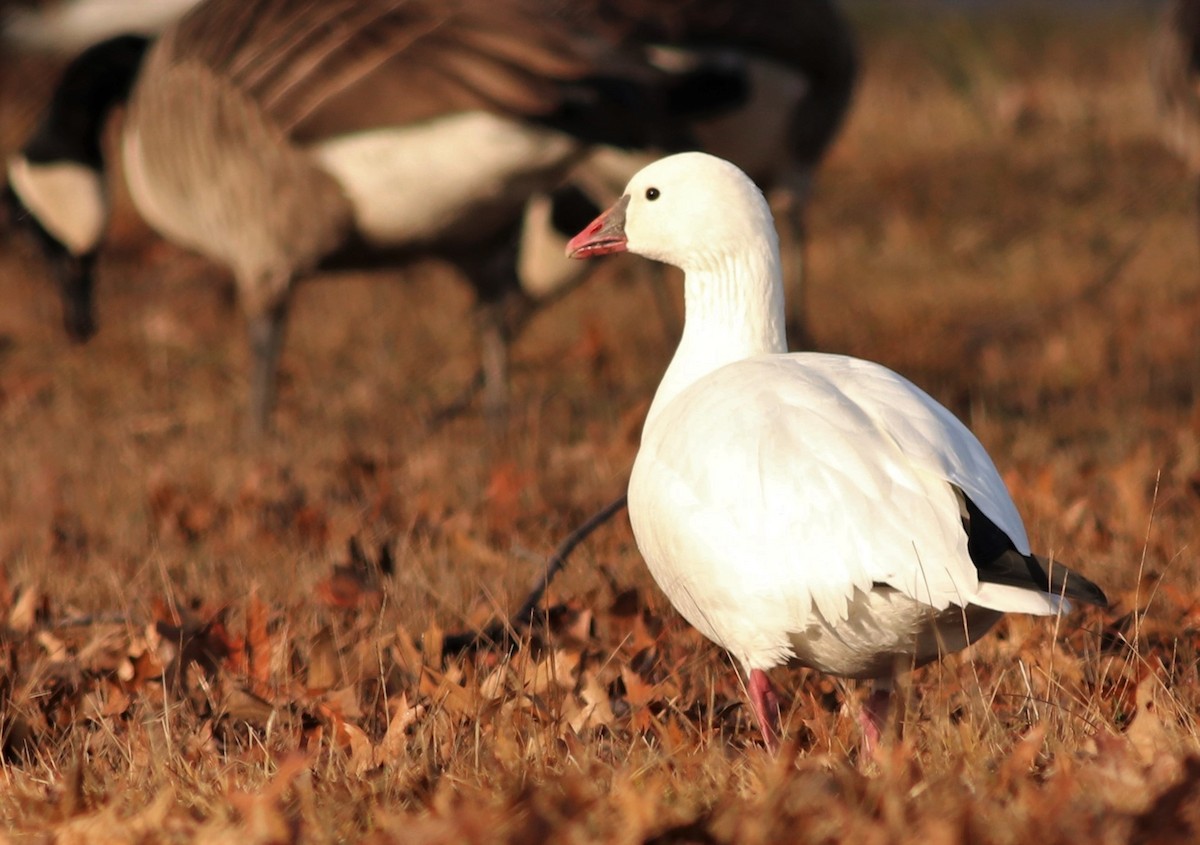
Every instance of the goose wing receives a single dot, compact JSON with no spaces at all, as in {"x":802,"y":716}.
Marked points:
{"x":322,"y":68}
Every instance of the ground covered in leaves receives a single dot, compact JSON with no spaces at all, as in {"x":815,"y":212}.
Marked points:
{"x":201,"y":641}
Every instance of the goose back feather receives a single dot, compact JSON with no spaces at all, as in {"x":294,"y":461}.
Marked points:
{"x":320,"y":69}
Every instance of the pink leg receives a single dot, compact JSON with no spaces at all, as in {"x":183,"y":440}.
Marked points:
{"x":765,"y":704}
{"x":874,"y":715}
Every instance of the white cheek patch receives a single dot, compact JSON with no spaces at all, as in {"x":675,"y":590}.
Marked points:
{"x":542,"y":266}
{"x":67,"y":199}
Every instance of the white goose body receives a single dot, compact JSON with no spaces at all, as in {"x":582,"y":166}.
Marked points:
{"x":801,"y":508}
{"x":804,"y":508}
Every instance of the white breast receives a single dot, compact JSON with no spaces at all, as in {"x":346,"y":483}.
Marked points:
{"x":413,"y":183}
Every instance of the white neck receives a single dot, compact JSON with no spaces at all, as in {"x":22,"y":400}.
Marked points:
{"x":733,"y":309}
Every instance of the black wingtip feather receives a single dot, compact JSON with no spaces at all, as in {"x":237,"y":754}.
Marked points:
{"x":1065,"y":582}
{"x":998,"y":562}
{"x":1017,"y":570}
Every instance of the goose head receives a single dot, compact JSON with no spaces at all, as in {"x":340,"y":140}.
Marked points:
{"x":690,"y":210}
{"x":55,"y":185}
{"x":63,"y":206}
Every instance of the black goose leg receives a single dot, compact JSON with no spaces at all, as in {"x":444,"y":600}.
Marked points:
{"x":502,"y":311}
{"x":266,"y":339}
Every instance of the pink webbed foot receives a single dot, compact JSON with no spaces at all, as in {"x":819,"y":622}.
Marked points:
{"x":874,"y":716}
{"x":765,"y":704}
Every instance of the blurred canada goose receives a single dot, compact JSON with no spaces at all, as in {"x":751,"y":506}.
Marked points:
{"x":55,"y":183}
{"x":800,"y":63}
{"x":279,"y":136}
{"x":69,"y":26}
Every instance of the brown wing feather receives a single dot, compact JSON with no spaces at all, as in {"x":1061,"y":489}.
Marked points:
{"x":336,"y":66}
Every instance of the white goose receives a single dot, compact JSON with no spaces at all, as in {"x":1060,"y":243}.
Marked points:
{"x":804,"y":509}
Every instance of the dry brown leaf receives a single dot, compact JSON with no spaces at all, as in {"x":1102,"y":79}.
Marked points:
{"x":638,"y":693}
{"x":324,"y":667}
{"x":110,"y":826}
{"x":505,"y":495}
{"x":596,"y":710}
{"x":455,"y":699}
{"x":506,"y":750}
{"x":1148,"y":733}
{"x":342,"y":590}
{"x":468,"y":544}
{"x":405,"y":652}
{"x":575,"y":624}
{"x":556,"y":669}
{"x":55,"y":648}
{"x":1173,"y":818}
{"x":357,"y":744}
{"x":494,"y":683}
{"x":344,"y":702}
{"x":265,"y":820}
{"x":312,"y":524}
{"x":182,"y":513}
{"x":1020,"y":762}
{"x":431,"y":645}
{"x":258,"y":641}
{"x":106,"y":650}
{"x":27,"y":609}
{"x":6,"y":593}
{"x":395,"y":741}
{"x":644,"y":634}
{"x":244,"y":706}
{"x":107,"y":701}
{"x":144,"y":660}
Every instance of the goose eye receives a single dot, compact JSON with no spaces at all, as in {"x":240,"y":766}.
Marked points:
{"x":652,"y":194}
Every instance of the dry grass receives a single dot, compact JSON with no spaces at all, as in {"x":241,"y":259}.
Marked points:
{"x":180,"y":661}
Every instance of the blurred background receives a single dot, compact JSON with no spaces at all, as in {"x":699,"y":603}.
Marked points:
{"x":1000,"y":220}
{"x":1007,"y":216}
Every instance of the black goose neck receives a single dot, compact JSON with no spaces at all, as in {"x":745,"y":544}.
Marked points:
{"x":93,"y":83}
